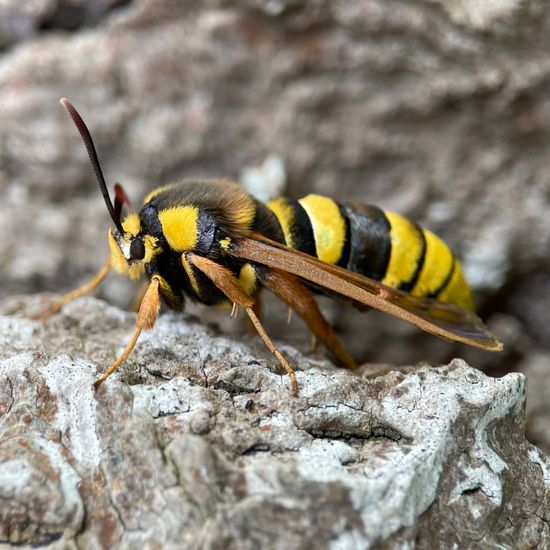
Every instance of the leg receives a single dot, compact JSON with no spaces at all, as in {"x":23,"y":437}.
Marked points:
{"x":76,"y":293}
{"x":271,"y":346}
{"x":229,"y":285}
{"x":297,"y":296}
{"x":257,"y":309}
{"x":313,"y":342}
{"x":146,"y":317}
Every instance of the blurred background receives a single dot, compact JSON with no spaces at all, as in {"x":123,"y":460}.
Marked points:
{"x":437,"y":110}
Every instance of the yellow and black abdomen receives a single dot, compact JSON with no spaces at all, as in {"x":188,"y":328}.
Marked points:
{"x":381,"y":245}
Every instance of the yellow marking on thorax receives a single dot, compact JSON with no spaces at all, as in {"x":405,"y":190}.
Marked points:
{"x":248,"y":279}
{"x":458,"y":291}
{"x":180,"y":227}
{"x":437,"y":265}
{"x":329,"y":227}
{"x":155,"y":192}
{"x":406,"y":250}
{"x":285,"y":214}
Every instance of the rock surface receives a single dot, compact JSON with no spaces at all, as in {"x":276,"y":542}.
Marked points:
{"x":196,"y":443}
{"x":435,"y":109}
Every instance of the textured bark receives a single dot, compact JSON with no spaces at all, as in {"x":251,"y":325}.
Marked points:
{"x":196,"y":442}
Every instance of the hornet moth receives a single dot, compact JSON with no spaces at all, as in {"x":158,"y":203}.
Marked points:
{"x":211,"y":241}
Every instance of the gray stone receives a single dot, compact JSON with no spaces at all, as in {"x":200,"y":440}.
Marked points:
{"x":434,"y":109}
{"x":197,"y":442}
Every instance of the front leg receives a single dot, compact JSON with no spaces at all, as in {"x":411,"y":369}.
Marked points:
{"x":224,"y":279}
{"x":146,"y":317}
{"x":76,"y":293}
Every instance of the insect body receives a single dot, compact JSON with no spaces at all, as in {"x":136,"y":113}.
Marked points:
{"x":381,"y":245}
{"x":211,"y":241}
{"x":198,"y":217}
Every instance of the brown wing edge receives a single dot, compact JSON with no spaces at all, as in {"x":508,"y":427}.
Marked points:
{"x":441,"y":319}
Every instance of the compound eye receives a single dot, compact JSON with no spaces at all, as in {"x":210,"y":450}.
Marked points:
{"x":137,"y":249}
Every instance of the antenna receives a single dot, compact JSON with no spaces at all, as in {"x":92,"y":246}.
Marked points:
{"x":92,"y":154}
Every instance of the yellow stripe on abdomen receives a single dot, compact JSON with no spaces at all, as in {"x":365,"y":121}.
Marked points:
{"x":329,"y":227}
{"x":438,"y":262}
{"x":407,"y":250}
{"x":156,"y":192}
{"x":457,"y":291}
{"x":285,"y":214}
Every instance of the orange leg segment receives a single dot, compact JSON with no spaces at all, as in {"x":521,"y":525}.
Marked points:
{"x":76,"y":293}
{"x":146,"y":317}
{"x":297,"y":296}
{"x":229,"y":285}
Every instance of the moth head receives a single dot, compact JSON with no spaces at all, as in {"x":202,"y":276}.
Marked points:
{"x":130,"y":250}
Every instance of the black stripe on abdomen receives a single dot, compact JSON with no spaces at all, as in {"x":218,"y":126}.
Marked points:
{"x":369,"y":240}
{"x":445,"y":282}
{"x":346,"y":249}
{"x":297,"y":226}
{"x":407,"y":286}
